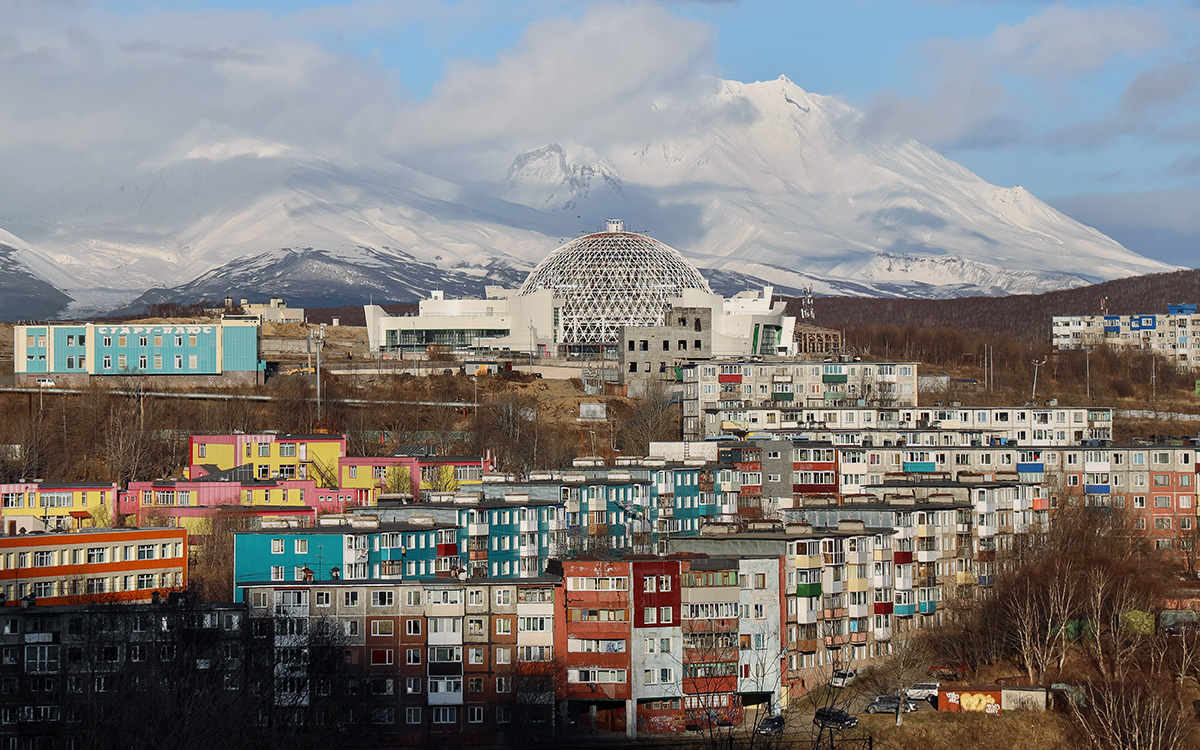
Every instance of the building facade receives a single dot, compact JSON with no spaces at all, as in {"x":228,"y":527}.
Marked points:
{"x":224,"y":352}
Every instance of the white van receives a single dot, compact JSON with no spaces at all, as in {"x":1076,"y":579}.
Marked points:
{"x":45,"y":383}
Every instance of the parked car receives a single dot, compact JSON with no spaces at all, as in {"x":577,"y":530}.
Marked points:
{"x":949,"y":671}
{"x":45,"y":383}
{"x":886,"y":704}
{"x":842,"y":678}
{"x":834,"y":718}
{"x":923,"y":691}
{"x":771,"y":725}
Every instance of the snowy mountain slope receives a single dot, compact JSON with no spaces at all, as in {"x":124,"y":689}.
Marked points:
{"x":218,"y":198}
{"x":796,"y":187}
{"x":783,"y":190}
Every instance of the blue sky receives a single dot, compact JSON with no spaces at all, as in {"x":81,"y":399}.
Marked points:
{"x":1092,"y":106}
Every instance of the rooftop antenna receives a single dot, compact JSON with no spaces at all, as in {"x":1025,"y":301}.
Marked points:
{"x":807,"y":311}
{"x":1104,"y":305}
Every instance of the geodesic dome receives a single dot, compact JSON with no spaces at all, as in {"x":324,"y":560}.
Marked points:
{"x":612,"y":279}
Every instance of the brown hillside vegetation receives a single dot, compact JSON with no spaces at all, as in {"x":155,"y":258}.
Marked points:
{"x":1023,"y":316}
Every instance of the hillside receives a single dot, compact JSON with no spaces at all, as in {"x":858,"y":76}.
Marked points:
{"x":1024,"y":316}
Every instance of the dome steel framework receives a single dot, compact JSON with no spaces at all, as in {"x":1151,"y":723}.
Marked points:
{"x":612,"y":279}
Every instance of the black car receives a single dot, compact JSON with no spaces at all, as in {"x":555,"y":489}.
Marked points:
{"x":834,"y":718}
{"x":886,"y":704}
{"x":771,"y":725}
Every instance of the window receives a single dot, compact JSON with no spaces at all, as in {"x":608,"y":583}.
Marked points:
{"x":382,"y":627}
{"x":350,"y":598}
{"x":277,"y":573}
{"x":503,"y":626}
{"x":444,"y":714}
{"x":503,"y":597}
{"x":412,"y":598}
{"x":504,"y":656}
{"x":381,"y":656}
{"x":503,"y":684}
{"x":276,"y":546}
{"x":412,"y":656}
{"x":383,"y":598}
{"x":412,"y":715}
{"x":301,"y":547}
{"x":412,"y":627}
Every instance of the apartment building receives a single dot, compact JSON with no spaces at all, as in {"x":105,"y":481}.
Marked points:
{"x":727,"y":390}
{"x":93,"y":565}
{"x":56,"y":506}
{"x":223,"y":352}
{"x":269,"y":455}
{"x":195,"y":503}
{"x":833,"y":589}
{"x":443,"y":661}
{"x":1051,"y":425}
{"x":69,"y":672}
{"x":1168,"y":335}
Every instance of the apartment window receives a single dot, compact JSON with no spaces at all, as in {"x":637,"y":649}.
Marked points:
{"x":503,"y":684}
{"x":301,"y":547}
{"x":350,"y":598}
{"x":444,"y":714}
{"x":323,"y":598}
{"x":276,"y":546}
{"x":412,"y":598}
{"x":383,"y":598}
{"x":475,"y":655}
{"x":474,"y":714}
{"x":382,"y":627}
{"x":412,"y":627}
{"x":351,"y":628}
{"x":412,"y":656}
{"x":276,"y":573}
{"x":504,"y":596}
{"x":504,"y":656}
{"x":665,"y":615}
{"x":503,"y":626}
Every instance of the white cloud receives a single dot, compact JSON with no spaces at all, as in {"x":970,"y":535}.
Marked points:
{"x":599,"y":79}
{"x":972,"y":98}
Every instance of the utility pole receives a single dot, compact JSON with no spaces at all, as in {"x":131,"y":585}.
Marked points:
{"x":1036,"y":365}
{"x":1087,"y":369}
{"x":320,"y":344}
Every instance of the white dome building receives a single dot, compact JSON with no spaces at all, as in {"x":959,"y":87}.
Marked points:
{"x":607,"y":280}
{"x":578,"y":301}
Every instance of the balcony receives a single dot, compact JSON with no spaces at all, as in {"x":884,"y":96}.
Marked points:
{"x":919,"y":467}
{"x":927,"y":555}
{"x":882,"y":555}
{"x":905,"y":610}
{"x":783,"y":396}
{"x":827,"y":378}
{"x":729,"y":378}
{"x":883,"y":608}
{"x":902,"y":557}
{"x":926,"y":529}
{"x":860,"y":637}
{"x":1096,"y":489}
{"x":964,"y":577}
{"x":987,"y":580}
{"x":927,"y":608}
{"x":835,"y":613}
{"x":808,"y":589}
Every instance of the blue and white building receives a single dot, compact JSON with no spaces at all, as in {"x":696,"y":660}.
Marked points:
{"x":1169,"y":335}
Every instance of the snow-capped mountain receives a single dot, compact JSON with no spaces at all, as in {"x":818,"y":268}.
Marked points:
{"x":793,"y":189}
{"x":778,"y":186}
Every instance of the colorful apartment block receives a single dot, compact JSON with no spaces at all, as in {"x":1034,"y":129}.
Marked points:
{"x":197,"y":503}
{"x":271,"y":456}
{"x":56,"y":506}
{"x":220,"y":351}
{"x":94,"y":565}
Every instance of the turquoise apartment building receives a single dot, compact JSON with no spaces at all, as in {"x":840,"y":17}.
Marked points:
{"x":74,"y":352}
